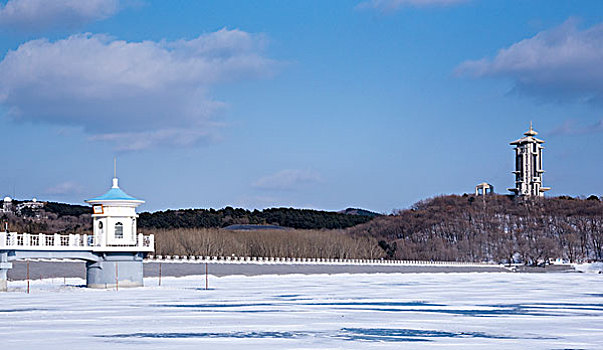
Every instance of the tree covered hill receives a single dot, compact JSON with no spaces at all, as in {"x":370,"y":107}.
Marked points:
{"x":358,"y":211}
{"x":492,"y":228}
{"x":63,"y":209}
{"x":63,"y":217}
{"x":287,"y":217}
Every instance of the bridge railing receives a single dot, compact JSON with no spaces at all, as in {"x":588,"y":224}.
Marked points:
{"x":72,"y":241}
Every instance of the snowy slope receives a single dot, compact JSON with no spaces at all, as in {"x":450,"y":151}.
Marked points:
{"x":384,"y":311}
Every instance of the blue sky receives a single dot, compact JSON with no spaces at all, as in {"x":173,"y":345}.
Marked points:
{"x":315,"y":104}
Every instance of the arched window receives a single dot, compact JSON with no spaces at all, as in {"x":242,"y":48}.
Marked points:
{"x":119,"y":230}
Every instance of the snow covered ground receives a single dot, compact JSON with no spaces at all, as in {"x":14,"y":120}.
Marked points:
{"x":590,"y":268}
{"x":344,"y":311}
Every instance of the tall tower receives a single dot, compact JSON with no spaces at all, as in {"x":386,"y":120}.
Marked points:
{"x":528,"y":165}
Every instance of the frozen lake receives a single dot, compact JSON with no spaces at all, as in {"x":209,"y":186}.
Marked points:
{"x":343,"y":311}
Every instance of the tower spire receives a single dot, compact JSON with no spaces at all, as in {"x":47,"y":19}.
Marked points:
{"x":115,"y":181}
{"x":530,"y":132}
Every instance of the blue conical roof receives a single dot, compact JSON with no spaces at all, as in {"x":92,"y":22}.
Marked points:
{"x":114,"y":194}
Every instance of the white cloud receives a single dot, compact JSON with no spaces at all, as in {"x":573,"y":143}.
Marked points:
{"x":136,"y":141}
{"x":563,"y":63}
{"x":392,"y":5}
{"x":65,"y":189}
{"x":134,"y":94}
{"x":41,"y":14}
{"x":289,"y":179}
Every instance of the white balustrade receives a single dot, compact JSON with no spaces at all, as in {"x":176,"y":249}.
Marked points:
{"x":14,"y":241}
{"x":57,"y":242}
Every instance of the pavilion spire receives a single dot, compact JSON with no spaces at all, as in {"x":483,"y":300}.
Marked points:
{"x":115,"y":181}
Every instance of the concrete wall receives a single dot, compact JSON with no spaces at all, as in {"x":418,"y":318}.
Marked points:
{"x":115,"y":270}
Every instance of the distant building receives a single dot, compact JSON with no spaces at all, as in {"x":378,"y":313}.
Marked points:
{"x":7,"y":205}
{"x":528,"y":165}
{"x":10,"y":206}
{"x":484,"y":189}
{"x":33,"y":204}
{"x":32,"y":208}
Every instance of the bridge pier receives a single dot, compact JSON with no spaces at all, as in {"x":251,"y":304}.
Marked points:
{"x":4,"y":267}
{"x":115,"y":270}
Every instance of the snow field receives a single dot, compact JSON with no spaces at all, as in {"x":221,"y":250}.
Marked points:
{"x":342,"y":311}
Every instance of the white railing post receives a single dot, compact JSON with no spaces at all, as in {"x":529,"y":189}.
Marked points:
{"x":57,"y":240}
{"x":41,"y":239}
{"x":2,"y":239}
{"x":140,"y":240}
{"x":26,"y":239}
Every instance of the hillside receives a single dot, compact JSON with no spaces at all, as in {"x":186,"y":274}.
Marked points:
{"x":50,"y":217}
{"x":358,"y":211}
{"x":287,"y":217}
{"x":492,"y":228}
